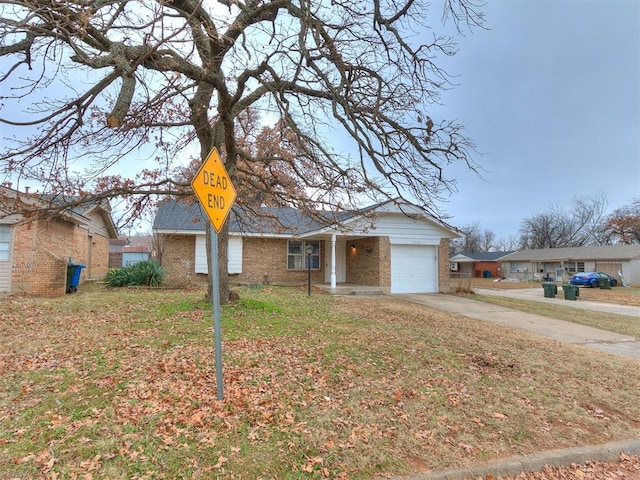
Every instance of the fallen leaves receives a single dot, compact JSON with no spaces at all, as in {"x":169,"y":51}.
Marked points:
{"x":466,"y":447}
{"x":221,"y":462}
{"x":43,"y":459}
{"x":626,"y":468}
{"x":335,"y":396}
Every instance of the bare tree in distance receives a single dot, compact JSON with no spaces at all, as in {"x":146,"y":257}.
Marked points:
{"x":509,"y":243}
{"x":474,"y":240}
{"x":622,"y":226}
{"x":488,"y":240}
{"x":576,"y":224}
{"x":103,"y":98}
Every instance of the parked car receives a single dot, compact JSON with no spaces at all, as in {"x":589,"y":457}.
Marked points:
{"x":591,"y":279}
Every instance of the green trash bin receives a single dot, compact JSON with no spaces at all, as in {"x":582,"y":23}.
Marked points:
{"x":571,"y":292}
{"x":550,"y":290}
{"x":605,"y":283}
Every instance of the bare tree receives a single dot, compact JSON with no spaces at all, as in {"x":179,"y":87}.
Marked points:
{"x":470,"y":240}
{"x":105,"y":97}
{"x":473,"y":240}
{"x":576,"y":225}
{"x":507,"y":244}
{"x":622,"y":226}
{"x":487,"y":240}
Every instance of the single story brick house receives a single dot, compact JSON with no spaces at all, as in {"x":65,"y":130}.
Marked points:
{"x":478,"y":264}
{"x":34,"y":252}
{"x":395,"y":247}
{"x":560,"y":263}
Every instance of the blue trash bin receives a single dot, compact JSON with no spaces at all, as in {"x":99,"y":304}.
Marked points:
{"x":73,"y":276}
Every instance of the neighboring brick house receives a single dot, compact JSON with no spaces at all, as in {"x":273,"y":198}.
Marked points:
{"x":395,"y":247}
{"x":478,"y":264}
{"x":34,"y":252}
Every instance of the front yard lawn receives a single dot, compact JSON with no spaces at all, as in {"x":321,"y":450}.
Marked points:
{"x":120,"y":383}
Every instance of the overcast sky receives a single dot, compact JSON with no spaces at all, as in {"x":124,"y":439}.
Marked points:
{"x":550,"y":95}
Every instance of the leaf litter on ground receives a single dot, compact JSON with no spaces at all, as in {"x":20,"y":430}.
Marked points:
{"x":109,"y":384}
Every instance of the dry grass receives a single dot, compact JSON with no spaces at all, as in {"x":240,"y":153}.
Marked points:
{"x":120,"y":384}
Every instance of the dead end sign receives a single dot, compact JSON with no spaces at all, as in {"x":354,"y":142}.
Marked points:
{"x":214,"y":189}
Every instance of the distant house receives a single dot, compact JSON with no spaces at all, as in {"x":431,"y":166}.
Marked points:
{"x":34,"y":252}
{"x":135,"y":254}
{"x":559,"y":264}
{"x":127,"y":251}
{"x":396,"y":247}
{"x":478,"y":264}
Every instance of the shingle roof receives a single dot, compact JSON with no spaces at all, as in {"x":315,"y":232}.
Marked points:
{"x":609,"y":252}
{"x":185,"y":216}
{"x":189,"y":216}
{"x":181,"y":216}
{"x":77,"y":213}
{"x":484,"y":256}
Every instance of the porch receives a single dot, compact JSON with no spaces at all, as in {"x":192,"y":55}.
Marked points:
{"x":349,"y":289}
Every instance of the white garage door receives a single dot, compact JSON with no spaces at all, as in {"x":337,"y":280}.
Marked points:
{"x":413,"y":269}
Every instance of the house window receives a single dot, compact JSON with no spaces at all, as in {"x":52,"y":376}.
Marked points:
{"x":5,"y":240}
{"x":575,"y":267}
{"x":518,"y":267}
{"x":297,"y":256}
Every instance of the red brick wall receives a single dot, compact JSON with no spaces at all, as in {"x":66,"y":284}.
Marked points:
{"x":480,"y":267}
{"x":41,"y":250}
{"x":99,"y":258}
{"x":443,"y":266}
{"x":369,"y":262}
{"x":264,"y":260}
{"x":178,"y":259}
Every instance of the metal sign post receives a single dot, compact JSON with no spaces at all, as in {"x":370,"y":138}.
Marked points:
{"x":215,"y":297}
{"x":216,"y":193}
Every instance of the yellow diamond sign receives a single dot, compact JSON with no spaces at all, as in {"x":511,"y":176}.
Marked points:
{"x":214,"y":189}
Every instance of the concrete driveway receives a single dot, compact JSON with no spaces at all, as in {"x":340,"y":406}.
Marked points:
{"x":537,"y":295}
{"x":560,"y":330}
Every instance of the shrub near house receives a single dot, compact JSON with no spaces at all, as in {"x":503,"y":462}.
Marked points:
{"x":142,"y":273}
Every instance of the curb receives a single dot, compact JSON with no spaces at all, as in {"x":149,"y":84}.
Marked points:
{"x":608,"y":452}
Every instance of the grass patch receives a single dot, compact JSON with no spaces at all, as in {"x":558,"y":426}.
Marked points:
{"x":120,"y":384}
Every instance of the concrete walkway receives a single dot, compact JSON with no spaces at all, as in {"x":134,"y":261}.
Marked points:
{"x":608,"y":452}
{"x":560,"y":330}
